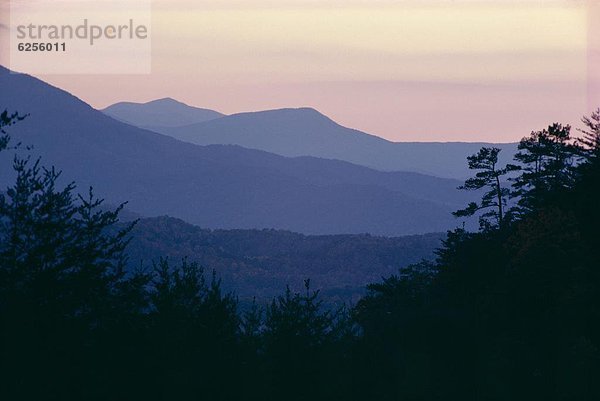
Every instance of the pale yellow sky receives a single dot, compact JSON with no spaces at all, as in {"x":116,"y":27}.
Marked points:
{"x":399,"y":41}
{"x":404,"y":70}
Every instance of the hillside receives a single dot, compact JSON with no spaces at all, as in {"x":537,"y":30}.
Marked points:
{"x":262,"y":262}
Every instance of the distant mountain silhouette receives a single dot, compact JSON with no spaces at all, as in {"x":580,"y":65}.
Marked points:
{"x":165,"y":112}
{"x":306,"y":132}
{"x":218,"y":186}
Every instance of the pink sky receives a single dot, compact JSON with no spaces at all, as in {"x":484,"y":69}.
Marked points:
{"x":403,"y":70}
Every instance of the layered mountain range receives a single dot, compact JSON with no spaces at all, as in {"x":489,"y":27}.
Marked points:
{"x":302,"y":132}
{"x":220,"y":186}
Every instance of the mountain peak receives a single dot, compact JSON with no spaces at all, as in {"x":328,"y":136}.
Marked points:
{"x":299,"y":110}
{"x":167,"y":100}
{"x":164,"y":112}
{"x":305,"y":114}
{"x":309,"y":110}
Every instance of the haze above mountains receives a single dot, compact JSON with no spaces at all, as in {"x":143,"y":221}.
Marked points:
{"x":301,"y":132}
{"x":220,"y":186}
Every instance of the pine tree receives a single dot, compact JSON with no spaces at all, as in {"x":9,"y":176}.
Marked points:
{"x":547,"y":158}
{"x":298,"y":331}
{"x":62,"y":282}
{"x":6,"y":120}
{"x":193,"y":331}
{"x":489,"y":176}
{"x":590,"y":141}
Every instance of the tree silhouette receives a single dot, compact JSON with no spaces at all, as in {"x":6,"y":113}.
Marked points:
{"x":298,"y":333}
{"x":6,"y":120}
{"x":194,"y":331}
{"x":591,"y":134}
{"x":488,"y":176}
{"x":547,"y":158}
{"x":62,"y":280}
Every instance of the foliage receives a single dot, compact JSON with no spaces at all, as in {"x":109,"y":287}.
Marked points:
{"x":6,"y":120}
{"x":259,"y":263}
{"x":489,"y":175}
{"x":548,"y":157}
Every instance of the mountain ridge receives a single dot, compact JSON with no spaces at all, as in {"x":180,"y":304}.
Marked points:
{"x":218,"y":186}
{"x":265,"y":261}
{"x":304,"y":131}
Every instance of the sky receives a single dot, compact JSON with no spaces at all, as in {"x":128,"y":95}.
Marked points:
{"x":405,"y":70}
